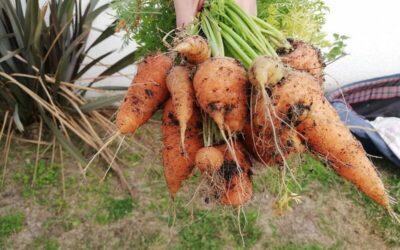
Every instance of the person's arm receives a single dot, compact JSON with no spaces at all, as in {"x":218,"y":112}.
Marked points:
{"x":186,"y":9}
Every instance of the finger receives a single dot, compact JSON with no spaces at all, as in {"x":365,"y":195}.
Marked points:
{"x":185,"y":11}
{"x":200,"y":5}
{"x":249,"y":6}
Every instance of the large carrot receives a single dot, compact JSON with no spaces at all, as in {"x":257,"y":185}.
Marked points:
{"x":305,"y":57}
{"x":301,"y":98}
{"x":238,"y":186}
{"x":177,"y":165}
{"x":181,"y":88}
{"x":220,"y":87}
{"x":146,"y":93}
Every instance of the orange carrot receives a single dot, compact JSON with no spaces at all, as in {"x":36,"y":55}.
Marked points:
{"x":305,"y":57}
{"x":181,"y":88}
{"x":194,"y":49}
{"x":146,"y":93}
{"x":178,"y":166}
{"x":209,"y":159}
{"x":263,"y":148}
{"x":238,"y":186}
{"x":301,"y":98}
{"x":291,"y":141}
{"x":267,"y":135}
{"x":220,"y":87}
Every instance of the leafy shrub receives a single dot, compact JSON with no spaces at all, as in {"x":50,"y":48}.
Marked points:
{"x":42,"y":50}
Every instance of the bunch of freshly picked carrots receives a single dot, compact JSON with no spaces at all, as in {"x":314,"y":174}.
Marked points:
{"x":241,"y":90}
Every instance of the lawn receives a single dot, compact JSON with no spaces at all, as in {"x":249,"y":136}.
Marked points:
{"x":60,"y":208}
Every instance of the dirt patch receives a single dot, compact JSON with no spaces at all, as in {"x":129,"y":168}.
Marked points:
{"x":35,"y":216}
{"x":134,"y":232}
{"x":323,"y":219}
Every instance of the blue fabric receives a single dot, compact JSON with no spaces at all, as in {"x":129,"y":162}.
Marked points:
{"x":371,"y":140}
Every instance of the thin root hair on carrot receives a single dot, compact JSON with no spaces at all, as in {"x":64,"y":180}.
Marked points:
{"x":110,"y":140}
{"x":113,"y":159}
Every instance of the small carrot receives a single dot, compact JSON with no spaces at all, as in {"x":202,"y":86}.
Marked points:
{"x":209,"y":159}
{"x":181,"y":88}
{"x":266,"y":72}
{"x":194,"y":49}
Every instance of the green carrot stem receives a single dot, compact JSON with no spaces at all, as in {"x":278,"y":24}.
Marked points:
{"x":237,"y":51}
{"x":245,"y":61}
{"x":270,"y":34}
{"x":205,"y":26}
{"x":274,"y":32}
{"x":205,"y":134}
{"x":275,"y":42}
{"x":243,"y":28}
{"x":247,"y":19}
{"x":239,"y":40}
{"x":267,"y":26}
{"x":271,"y":50}
{"x":216,"y":30}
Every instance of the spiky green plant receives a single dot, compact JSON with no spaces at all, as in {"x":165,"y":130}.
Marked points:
{"x":42,"y":50}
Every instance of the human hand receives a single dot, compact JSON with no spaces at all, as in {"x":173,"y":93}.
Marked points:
{"x":186,"y":10}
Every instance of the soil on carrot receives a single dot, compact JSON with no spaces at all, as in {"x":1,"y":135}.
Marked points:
{"x":53,"y":206}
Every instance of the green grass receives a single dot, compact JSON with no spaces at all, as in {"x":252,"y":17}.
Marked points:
{"x":45,"y":243}
{"x":293,"y":246}
{"x":10,"y":224}
{"x":312,"y":170}
{"x":42,"y":183}
{"x":45,"y":176}
{"x":309,"y":171}
{"x":134,"y":159}
{"x":115,"y":209}
{"x":203,"y":232}
{"x":250,"y":228}
{"x":216,"y":229}
{"x":149,"y":240}
{"x":64,"y":221}
{"x":385,"y":225}
{"x":107,"y":209}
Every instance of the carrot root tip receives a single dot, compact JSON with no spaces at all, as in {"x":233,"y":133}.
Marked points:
{"x":394,"y":215}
